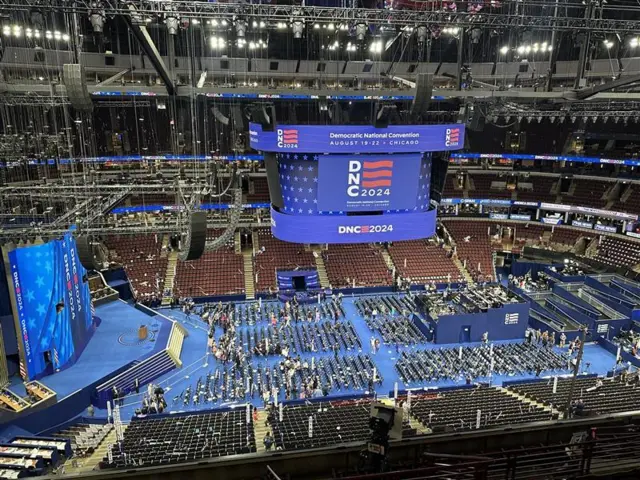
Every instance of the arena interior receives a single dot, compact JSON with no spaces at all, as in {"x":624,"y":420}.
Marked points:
{"x":320,"y":239}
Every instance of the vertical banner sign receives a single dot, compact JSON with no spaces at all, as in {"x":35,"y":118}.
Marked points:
{"x":310,"y":427}
{"x":248,"y":409}
{"x":395,"y":391}
{"x":409,"y":400}
{"x":280,"y":413}
{"x":555,"y":385}
{"x":460,"y":353}
{"x":275,"y":396}
{"x":53,"y":304}
{"x":478,"y":417}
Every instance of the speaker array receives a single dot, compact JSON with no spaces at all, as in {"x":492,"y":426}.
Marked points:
{"x":76,"y":85}
{"x":196,"y":236}
{"x":423,"y":93}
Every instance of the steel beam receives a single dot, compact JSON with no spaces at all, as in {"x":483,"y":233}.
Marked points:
{"x":532,"y":14}
{"x":146,"y":42}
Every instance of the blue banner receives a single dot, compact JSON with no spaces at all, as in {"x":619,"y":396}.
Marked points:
{"x":53,"y":304}
{"x":555,"y":158}
{"x":357,"y":183}
{"x":357,"y":139}
{"x":353,"y":229}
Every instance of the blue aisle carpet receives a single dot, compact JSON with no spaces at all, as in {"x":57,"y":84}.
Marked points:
{"x":113,"y":345}
{"x":196,"y":363}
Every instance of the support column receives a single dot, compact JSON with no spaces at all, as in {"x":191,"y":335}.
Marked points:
{"x":460,"y":59}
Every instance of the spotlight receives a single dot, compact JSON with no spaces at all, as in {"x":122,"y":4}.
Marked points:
{"x":376,"y":47}
{"x":241,"y":28}
{"x":48,"y":35}
{"x":65,"y":37}
{"x":544,"y":46}
{"x":6,"y":30}
{"x":634,"y":42}
{"x":172,"y":20}
{"x":97,"y":17}
{"x":224,"y":23}
{"x":298,"y":28}
{"x":361,"y":31}
{"x":57,"y":35}
{"x":262,"y":24}
{"x":316,"y":26}
{"x":520,"y":49}
{"x":331,"y":26}
{"x":504,"y":50}
{"x":422,"y":34}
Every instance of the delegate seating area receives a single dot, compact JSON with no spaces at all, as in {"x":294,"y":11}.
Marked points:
{"x":85,"y":437}
{"x":566,"y":236}
{"x":618,"y":253}
{"x":477,"y":251}
{"x":181,"y":438}
{"x":425,"y":262}
{"x":362,"y":265}
{"x":277,"y":255}
{"x":219,"y":272}
{"x":632,"y":202}
{"x":447,"y":363}
{"x":334,"y":422}
{"x":142,"y":258}
{"x":455,"y":410}
{"x":612,"y":396}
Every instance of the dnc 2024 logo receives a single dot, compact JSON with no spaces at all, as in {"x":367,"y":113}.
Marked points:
{"x":369,"y":178}
{"x":452,"y":137}
{"x":287,"y":137}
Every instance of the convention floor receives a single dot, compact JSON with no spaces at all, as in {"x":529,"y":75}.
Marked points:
{"x":114,"y":344}
{"x":197,"y":363}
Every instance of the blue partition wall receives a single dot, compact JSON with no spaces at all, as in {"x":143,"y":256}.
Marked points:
{"x":505,"y":323}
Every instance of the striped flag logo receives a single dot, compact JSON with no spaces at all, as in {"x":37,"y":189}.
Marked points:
{"x":56,"y":359}
{"x":93,"y":308}
{"x":23,"y":370}
{"x":377,"y":174}
{"x":288,"y":136}
{"x":452,"y":137}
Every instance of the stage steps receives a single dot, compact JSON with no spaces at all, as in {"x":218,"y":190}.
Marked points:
{"x":249,"y":287}
{"x":169,"y":277}
{"x":321,"y":268}
{"x":174,"y":345}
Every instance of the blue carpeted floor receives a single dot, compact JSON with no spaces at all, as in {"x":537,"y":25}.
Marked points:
{"x":196,"y":364}
{"x":114,"y":344}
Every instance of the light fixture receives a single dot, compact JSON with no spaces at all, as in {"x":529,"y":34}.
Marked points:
{"x":504,"y":50}
{"x":298,"y":28}
{"x":331,"y":26}
{"x":49,"y":35}
{"x":262,"y":24}
{"x":6,"y":30}
{"x":65,"y":37}
{"x":241,"y":28}
{"x":361,"y":31}
{"x":376,"y":47}
{"x":316,"y":26}
{"x":57,"y":35}
{"x":634,"y":42}
{"x":520,"y":49}
{"x":218,"y":43}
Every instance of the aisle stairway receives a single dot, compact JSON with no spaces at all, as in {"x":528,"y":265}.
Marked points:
{"x":169,"y":278}
{"x":387,"y":259}
{"x":260,"y":430}
{"x":249,"y":287}
{"x":322,"y":269}
{"x":80,"y":466}
{"x":462,"y":270}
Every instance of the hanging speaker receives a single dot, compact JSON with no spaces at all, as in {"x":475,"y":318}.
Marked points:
{"x":238,"y":118}
{"x":265,"y":116}
{"x":196,"y":237}
{"x":86,"y":253}
{"x":423,"y":93}
{"x":219,"y":116}
{"x":74,"y":81}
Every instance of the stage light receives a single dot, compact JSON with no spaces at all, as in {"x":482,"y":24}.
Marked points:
{"x":521,"y":49}
{"x":241,"y":28}
{"x":241,"y":42}
{"x":608,"y":44}
{"x":361,"y":31}
{"x":57,"y":35}
{"x":544,"y":46}
{"x":298,"y":28}
{"x":316,"y":26}
{"x":65,"y":37}
{"x":504,"y":50}
{"x":252,"y":46}
{"x":6,"y":30}
{"x":281,"y":25}
{"x":527,"y":49}
{"x":254,"y":24}
{"x":376,"y":47}
{"x":331,"y":26}
{"x":218,"y":43}
{"x":549,"y":48}
{"x":262,"y":24}
{"x":224,"y":23}
{"x":37,"y":34}
{"x":28,"y":32}
{"x":634,"y":42}
{"x":422,"y":34}
{"x":536,"y":47}
{"x":195,"y":21}
{"x":49,"y":35}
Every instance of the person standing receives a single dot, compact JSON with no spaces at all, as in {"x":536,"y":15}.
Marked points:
{"x":136,"y":385}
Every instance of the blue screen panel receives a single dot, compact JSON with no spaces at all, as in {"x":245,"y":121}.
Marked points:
{"x":53,"y":303}
{"x":360,"y":183}
{"x":353,"y":228}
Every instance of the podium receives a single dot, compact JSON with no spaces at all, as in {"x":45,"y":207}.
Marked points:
{"x":143,"y":332}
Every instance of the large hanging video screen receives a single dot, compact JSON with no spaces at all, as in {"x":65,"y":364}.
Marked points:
{"x":361,"y":183}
